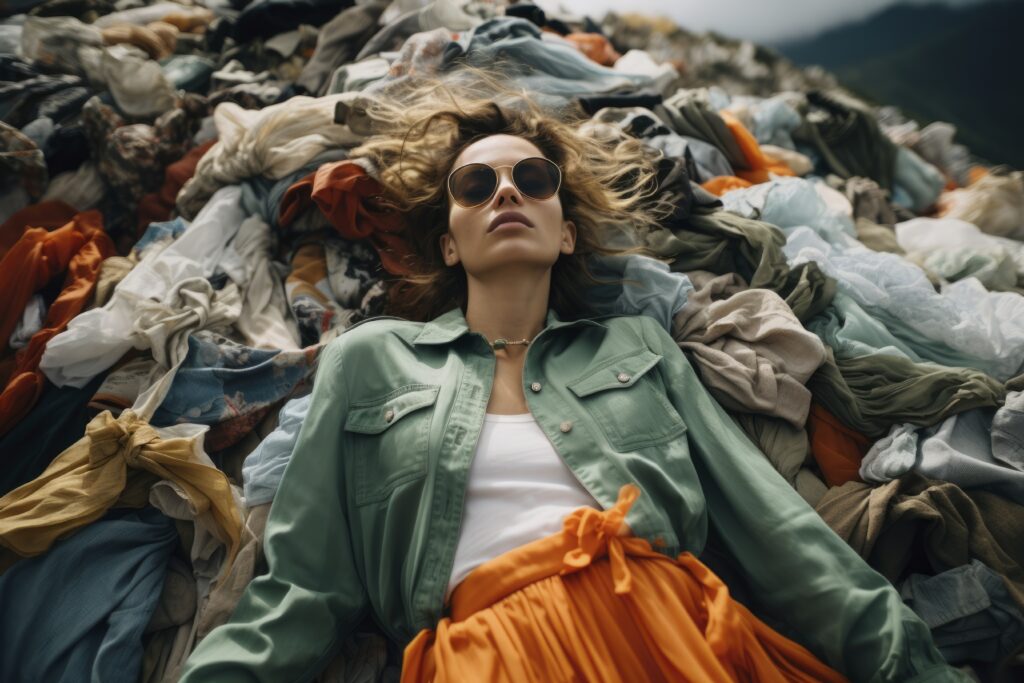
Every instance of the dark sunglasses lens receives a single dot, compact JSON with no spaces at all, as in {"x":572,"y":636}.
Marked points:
{"x":537,"y":178}
{"x":472,"y":184}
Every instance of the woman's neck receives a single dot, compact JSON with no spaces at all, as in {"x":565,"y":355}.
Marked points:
{"x":508,"y":310}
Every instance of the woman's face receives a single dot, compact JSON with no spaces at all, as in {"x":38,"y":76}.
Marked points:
{"x":530,"y":240}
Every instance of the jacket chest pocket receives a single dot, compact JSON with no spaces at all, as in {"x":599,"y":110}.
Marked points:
{"x":390,"y":439}
{"x":627,"y":402}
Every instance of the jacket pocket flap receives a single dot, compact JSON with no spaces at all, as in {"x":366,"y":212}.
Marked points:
{"x":373,"y":417}
{"x":616,"y":373}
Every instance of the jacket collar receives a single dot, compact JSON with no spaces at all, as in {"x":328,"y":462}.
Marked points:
{"x":451,"y":325}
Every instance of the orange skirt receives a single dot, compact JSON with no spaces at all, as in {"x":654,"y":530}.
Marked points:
{"x":594,"y":604}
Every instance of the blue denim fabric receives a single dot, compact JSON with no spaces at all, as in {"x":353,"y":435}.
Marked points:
{"x":969,"y":610}
{"x":78,"y":612}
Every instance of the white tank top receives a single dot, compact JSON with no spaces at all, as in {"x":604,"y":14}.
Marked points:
{"x":518,"y":491}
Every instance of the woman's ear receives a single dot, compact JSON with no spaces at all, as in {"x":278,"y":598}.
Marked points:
{"x":568,"y":237}
{"x":449,"y":252}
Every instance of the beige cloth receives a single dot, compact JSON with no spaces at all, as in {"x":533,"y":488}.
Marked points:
{"x":995,"y":204}
{"x":886,"y":525}
{"x":217,"y":600}
{"x":752,"y":352}
{"x":116,"y":462}
{"x":112,"y":271}
{"x":272,"y":142}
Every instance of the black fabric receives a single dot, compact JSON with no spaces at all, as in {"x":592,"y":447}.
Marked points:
{"x":592,"y":103}
{"x":264,"y":19}
{"x":57,"y":421}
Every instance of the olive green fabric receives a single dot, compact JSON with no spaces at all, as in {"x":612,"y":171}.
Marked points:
{"x":367,"y":516}
{"x":874,"y":392}
{"x":722,"y":242}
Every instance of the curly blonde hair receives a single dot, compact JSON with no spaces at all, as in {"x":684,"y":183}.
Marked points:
{"x":608,"y":182}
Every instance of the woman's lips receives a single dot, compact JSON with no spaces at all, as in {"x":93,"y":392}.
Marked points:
{"x":509,"y":218}
{"x":509,"y":225}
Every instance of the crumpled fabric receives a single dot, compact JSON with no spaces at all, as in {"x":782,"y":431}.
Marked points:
{"x":24,"y":385}
{"x":847,"y":137}
{"x":650,"y":289}
{"x":229,"y":386}
{"x":787,"y":449}
{"x":955,"y":250}
{"x":964,"y":326}
{"x":971,"y":615}
{"x":82,"y":188}
{"x":689,"y":113}
{"x":552,"y":67}
{"x":752,"y":352}
{"x":154,"y":39}
{"x":347,"y":196}
{"x":887,"y":525}
{"x":995,"y":204}
{"x":867,"y":199}
{"x":55,"y":41}
{"x":159,"y":205}
{"x":272,"y":142}
{"x":136,"y":82}
{"x":22,"y":163}
{"x":264,"y":467}
{"x":871,"y":393}
{"x":115,"y":463}
{"x":916,"y":183}
{"x":722,"y":242}
{"x":32,"y":320}
{"x":958,"y":450}
{"x":338,"y":42}
{"x":214,"y":607}
{"x":836,"y":448}
{"x":112,"y":571}
{"x":1008,"y":431}
{"x":96,"y":339}
{"x":789,"y":203}
{"x":264,"y":319}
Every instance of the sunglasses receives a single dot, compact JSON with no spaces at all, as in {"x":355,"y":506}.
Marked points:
{"x":473,"y":184}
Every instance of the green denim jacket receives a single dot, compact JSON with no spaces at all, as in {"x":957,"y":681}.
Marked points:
{"x":368,"y":513}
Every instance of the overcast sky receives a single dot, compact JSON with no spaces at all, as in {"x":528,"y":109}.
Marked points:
{"x":759,"y":20}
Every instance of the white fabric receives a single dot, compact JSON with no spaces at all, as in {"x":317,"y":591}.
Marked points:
{"x":264,"y":321}
{"x":272,"y":142}
{"x":96,"y":339}
{"x":82,"y":188}
{"x":32,"y":320}
{"x":518,"y":491}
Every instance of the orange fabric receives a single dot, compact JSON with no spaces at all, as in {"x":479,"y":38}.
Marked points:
{"x":47,"y":214}
{"x":837,"y":448}
{"x":759,"y":163}
{"x":596,"y":47}
{"x":33,"y":261}
{"x":721,"y":184}
{"x":348,"y":197}
{"x":975,"y":173}
{"x":595,"y":604}
{"x":158,"y":206}
{"x":22,"y":391}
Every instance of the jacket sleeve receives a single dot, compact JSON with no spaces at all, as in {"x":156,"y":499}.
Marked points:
{"x":800,"y":571}
{"x":289,"y":621}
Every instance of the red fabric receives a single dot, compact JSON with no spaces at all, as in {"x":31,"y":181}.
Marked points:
{"x":596,"y":47}
{"x":85,"y":245}
{"x":158,"y":206}
{"x":345,"y":194}
{"x":837,"y":448}
{"x":721,"y":184}
{"x":759,"y":163}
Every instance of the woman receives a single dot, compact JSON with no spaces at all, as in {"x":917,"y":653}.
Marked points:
{"x":518,"y":493}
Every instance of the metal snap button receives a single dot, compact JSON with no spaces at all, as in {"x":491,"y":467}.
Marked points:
{"x":389,"y":416}
{"x":535,"y":386}
{"x":565,"y":426}
{"x":623,"y":377}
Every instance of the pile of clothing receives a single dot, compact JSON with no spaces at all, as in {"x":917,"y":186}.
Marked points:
{"x":184,"y":229}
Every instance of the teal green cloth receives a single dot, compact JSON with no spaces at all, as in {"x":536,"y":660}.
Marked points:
{"x":368,"y":513}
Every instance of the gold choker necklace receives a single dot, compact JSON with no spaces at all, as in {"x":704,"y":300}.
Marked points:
{"x":502,"y":343}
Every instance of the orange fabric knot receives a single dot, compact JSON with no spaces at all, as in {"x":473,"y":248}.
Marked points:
{"x":126,"y":435}
{"x":594,"y":530}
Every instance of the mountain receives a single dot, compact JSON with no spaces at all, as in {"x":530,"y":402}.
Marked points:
{"x":935,"y":63}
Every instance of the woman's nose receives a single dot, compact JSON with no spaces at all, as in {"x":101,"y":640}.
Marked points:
{"x":507,"y":191}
